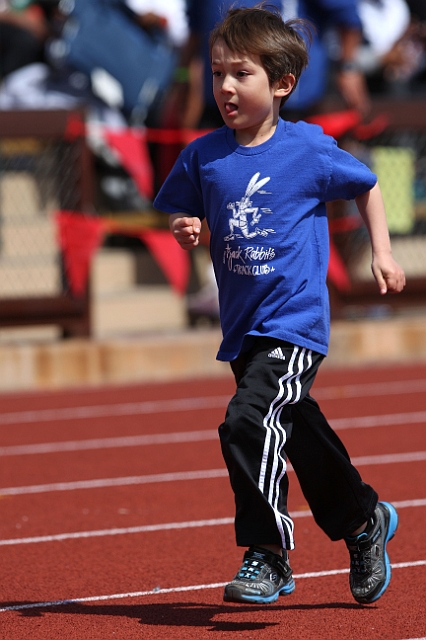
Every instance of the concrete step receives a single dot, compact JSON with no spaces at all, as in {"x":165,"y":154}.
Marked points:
{"x":112,"y":270}
{"x":140,"y":309}
{"x":45,"y":334}
{"x":145,"y":358}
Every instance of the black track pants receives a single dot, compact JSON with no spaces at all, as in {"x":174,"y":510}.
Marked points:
{"x":270,"y":417}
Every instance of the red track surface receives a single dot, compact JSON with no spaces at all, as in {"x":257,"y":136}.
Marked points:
{"x":144,"y":542}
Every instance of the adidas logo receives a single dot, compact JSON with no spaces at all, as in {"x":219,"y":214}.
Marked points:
{"x":277,"y":353}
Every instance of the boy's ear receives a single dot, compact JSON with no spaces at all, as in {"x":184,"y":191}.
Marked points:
{"x":285,"y":85}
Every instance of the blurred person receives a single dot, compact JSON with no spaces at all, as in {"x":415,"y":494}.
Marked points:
{"x":418,"y":9}
{"x":125,"y":52}
{"x":393,"y":47}
{"x":168,"y":15}
{"x":342,"y":17}
{"x":262,"y":183}
{"x":133,"y":75}
{"x":24,"y":28}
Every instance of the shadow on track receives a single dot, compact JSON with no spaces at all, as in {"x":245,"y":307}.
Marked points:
{"x":179,"y":614}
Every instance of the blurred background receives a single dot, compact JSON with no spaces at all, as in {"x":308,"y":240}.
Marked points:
{"x":98,"y":97}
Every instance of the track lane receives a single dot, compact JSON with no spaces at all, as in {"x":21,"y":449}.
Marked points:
{"x":44,"y":514}
{"x":178,"y":457}
{"x":175,"y":437}
{"x":198,"y":614}
{"x":372,"y":383}
{"x":74,"y":568}
{"x":158,"y":426}
{"x":82,"y":569}
{"x":345,"y":394}
{"x":316,"y":611}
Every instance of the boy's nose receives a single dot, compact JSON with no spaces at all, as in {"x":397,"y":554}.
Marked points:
{"x":227,"y":85}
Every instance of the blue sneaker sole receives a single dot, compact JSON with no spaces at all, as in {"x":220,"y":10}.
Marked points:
{"x":285,"y":591}
{"x":289,"y":588}
{"x":393,"y":525}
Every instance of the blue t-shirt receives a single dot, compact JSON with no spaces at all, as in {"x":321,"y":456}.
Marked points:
{"x":265,"y":208}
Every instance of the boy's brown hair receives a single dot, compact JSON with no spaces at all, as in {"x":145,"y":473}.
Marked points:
{"x":281,"y":46}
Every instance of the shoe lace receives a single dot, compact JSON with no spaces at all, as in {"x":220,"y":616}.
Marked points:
{"x":250,"y":569}
{"x":360,"y":559}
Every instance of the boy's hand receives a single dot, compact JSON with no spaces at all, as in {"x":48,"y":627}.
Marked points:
{"x":388,"y":274}
{"x":186,"y":230}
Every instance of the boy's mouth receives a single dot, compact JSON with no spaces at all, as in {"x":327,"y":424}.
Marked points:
{"x":230,"y":108}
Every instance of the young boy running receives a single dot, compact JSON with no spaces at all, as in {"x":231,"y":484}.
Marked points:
{"x":262,"y":184}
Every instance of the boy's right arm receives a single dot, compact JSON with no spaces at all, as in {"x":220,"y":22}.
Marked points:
{"x":185,"y":229}
{"x":388,"y":274}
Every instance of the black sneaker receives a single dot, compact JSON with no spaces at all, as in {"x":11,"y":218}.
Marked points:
{"x":262,"y":578}
{"x":370,"y":571}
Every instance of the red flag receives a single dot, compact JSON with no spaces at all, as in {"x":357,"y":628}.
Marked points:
{"x":337,"y":123}
{"x":173,"y":260}
{"x":79,"y":237}
{"x":337,"y":272}
{"x":130,"y":144}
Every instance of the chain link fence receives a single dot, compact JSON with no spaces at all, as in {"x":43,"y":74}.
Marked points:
{"x":41,"y":173}
{"x":399,"y":160}
{"x":37,"y":178}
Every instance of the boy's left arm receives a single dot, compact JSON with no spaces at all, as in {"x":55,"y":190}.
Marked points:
{"x":389,"y":275}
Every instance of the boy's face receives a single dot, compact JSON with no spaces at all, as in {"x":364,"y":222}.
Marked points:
{"x":244,"y":95}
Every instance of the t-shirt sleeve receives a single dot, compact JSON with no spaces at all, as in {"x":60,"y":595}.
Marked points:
{"x":181,"y":191}
{"x":348,"y":176}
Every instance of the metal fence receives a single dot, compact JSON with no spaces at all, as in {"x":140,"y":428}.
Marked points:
{"x":397,"y":154}
{"x":44,"y":168}
{"x":399,"y":160}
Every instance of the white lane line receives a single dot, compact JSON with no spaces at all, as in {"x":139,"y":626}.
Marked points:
{"x":113,"y":410}
{"x":115,"y":482}
{"x":416,"y":417}
{"x":389,"y":458}
{"x":100,"y":483}
{"x":196,"y":587}
{"x":374,"y":389}
{"x":101,"y":533}
{"x":168,"y":526}
{"x":109,"y":443}
{"x":200,"y":403}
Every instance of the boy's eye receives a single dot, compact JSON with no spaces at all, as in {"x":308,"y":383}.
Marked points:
{"x":217,"y":74}
{"x":242,"y":74}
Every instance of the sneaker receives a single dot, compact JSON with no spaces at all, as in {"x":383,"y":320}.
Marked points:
{"x":370,"y":571}
{"x":262,"y":578}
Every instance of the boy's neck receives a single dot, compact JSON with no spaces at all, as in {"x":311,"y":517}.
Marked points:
{"x":249,"y":138}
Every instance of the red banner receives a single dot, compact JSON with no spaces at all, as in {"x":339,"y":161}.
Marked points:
{"x":80,"y":236}
{"x":131,"y":148}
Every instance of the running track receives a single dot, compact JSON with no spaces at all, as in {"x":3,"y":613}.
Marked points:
{"x":116,"y":514}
